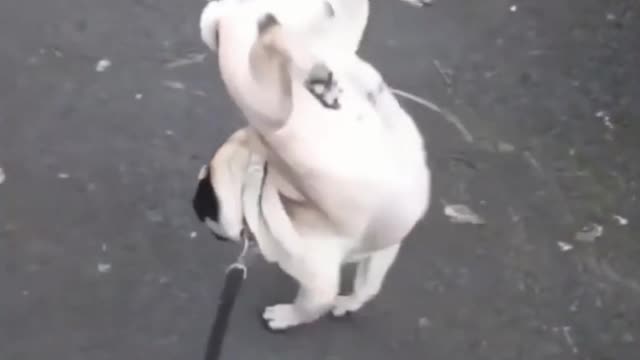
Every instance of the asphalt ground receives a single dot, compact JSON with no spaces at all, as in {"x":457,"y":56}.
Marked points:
{"x":108,"y":109}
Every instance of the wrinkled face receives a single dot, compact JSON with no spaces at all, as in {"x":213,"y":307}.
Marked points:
{"x":206,"y":204}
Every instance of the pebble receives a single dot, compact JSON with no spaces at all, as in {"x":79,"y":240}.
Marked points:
{"x":505,"y":147}
{"x":621,"y":220}
{"x":104,"y":268}
{"x":461,"y":214}
{"x":424,"y":322}
{"x":564,"y":247}
{"x":103,"y":65}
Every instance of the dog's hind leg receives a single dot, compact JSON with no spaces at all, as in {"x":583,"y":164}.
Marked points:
{"x":370,"y":275}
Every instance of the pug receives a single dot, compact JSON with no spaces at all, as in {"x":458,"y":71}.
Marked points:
{"x":348,"y":176}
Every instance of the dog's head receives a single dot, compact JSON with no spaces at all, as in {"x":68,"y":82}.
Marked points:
{"x":206,"y":204}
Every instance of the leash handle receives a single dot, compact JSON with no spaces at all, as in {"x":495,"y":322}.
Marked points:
{"x":236,"y":274}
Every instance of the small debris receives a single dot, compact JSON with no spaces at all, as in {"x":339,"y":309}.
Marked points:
{"x":193,"y":235}
{"x":606,"y":118}
{"x":462,"y":214}
{"x":63,"y":175}
{"x":536,"y":52}
{"x":103,"y":65}
{"x":611,"y":17}
{"x":566,"y":331}
{"x":187,"y":60}
{"x":199,"y":93}
{"x":138,"y":96}
{"x":489,"y":74}
{"x":163,"y":280}
{"x":533,"y":162}
{"x":424,"y":322}
{"x":174,"y":85}
{"x":589,"y":233}
{"x":514,"y":215}
{"x":574,"y":306}
{"x":564,"y":247}
{"x":25,"y":293}
{"x":154,"y":216}
{"x":513,"y":8}
{"x":3,"y":176}
{"x":419,"y":3}
{"x":169,"y":133}
{"x":598,"y":302}
{"x":446,"y":73}
{"x":104,"y":268}
{"x":505,"y":147}
{"x":58,"y":53}
{"x":620,"y":220}
{"x":104,"y":247}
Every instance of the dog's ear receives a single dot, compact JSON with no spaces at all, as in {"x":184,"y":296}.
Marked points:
{"x":205,"y":201}
{"x":209,"y":18}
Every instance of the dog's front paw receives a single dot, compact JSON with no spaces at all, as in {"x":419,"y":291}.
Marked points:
{"x":345,"y":305}
{"x":281,"y":317}
{"x":321,"y":84}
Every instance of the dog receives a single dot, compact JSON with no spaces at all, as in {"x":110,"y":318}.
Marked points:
{"x":347,"y":163}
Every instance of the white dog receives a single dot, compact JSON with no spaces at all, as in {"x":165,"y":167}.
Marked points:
{"x":347,"y":168}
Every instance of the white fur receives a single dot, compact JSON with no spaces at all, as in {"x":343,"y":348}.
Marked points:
{"x":359,"y":173}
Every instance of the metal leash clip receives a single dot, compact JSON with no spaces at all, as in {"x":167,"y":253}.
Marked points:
{"x":246,"y":253}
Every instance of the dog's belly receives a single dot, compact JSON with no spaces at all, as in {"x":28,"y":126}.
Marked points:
{"x":399,"y":214}
{"x":371,"y":180}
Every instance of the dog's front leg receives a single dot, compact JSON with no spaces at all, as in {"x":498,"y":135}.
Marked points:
{"x":319,"y":281}
{"x":370,"y":275}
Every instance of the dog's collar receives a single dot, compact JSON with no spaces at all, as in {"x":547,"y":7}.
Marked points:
{"x":252,"y":198}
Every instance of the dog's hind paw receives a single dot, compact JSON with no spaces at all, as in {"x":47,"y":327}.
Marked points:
{"x":344,"y":305}
{"x":281,"y":317}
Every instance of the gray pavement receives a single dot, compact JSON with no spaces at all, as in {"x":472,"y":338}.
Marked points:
{"x":102,"y":258}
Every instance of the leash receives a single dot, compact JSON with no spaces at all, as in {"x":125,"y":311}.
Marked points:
{"x":235,"y":275}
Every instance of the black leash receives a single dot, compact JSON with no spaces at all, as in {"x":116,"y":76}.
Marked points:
{"x":235,"y":275}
